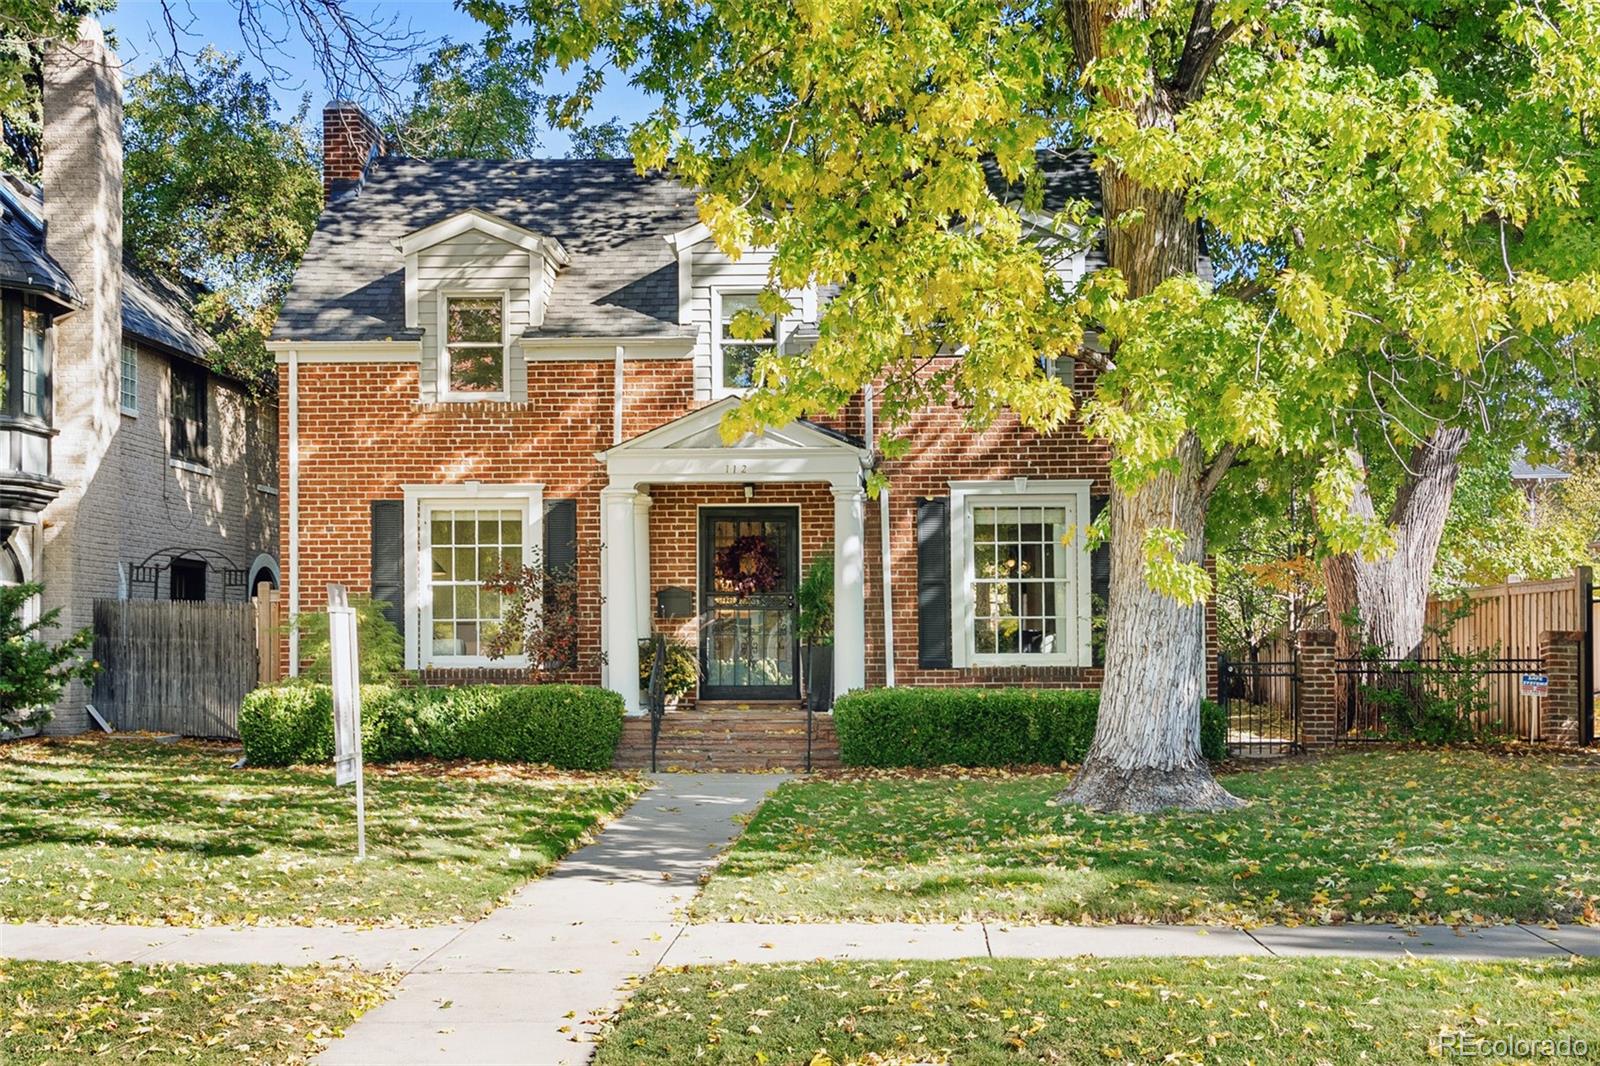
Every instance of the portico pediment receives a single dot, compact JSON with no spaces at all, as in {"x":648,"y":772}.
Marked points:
{"x":691,"y":448}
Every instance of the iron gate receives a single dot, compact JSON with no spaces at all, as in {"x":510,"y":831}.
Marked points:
{"x":1261,"y":698}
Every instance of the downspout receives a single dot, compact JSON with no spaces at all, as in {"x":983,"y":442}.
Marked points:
{"x":616,"y":388}
{"x":885,"y":571}
{"x":294,"y":513}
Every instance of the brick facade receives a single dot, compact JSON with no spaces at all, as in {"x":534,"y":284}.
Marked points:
{"x":364,"y":435}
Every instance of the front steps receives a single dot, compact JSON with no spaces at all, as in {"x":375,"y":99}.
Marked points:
{"x":721,"y":736}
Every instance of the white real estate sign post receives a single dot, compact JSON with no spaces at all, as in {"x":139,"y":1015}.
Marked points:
{"x":346,"y":674}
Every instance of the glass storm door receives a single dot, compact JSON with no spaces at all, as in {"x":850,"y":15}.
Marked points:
{"x":749,"y":568}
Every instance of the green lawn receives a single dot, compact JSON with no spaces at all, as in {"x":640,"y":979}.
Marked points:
{"x":131,"y":831}
{"x":976,"y":1013}
{"x":57,"y":1012}
{"x":1412,"y":836}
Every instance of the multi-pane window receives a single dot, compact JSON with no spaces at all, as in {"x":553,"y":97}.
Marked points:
{"x":739,"y":355}
{"x":475,"y":351}
{"x":466,"y":546}
{"x":130,"y":378}
{"x":35,"y":365}
{"x":189,"y":413}
{"x":1020,"y":580}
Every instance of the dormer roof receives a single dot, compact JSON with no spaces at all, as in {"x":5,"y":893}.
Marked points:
{"x":472,"y":219}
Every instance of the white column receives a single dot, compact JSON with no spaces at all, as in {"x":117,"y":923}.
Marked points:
{"x":622,"y":629}
{"x":641,"y":561}
{"x":849,"y":590}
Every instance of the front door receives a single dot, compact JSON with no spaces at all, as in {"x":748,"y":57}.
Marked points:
{"x":749,"y":569}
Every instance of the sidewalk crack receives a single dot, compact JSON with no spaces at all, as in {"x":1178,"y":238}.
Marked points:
{"x":1531,"y":931}
{"x":1264,"y":945}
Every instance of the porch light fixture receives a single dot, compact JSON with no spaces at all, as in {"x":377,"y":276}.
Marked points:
{"x":749,"y":491}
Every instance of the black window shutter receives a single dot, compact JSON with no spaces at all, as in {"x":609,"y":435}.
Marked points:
{"x":389,"y":559}
{"x":560,"y":535}
{"x":561,"y":562}
{"x":933,"y":583}
{"x":1099,"y":576}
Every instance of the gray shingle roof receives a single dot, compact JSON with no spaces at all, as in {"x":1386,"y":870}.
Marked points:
{"x":153,"y":310}
{"x":621,"y":281}
{"x":157,"y":311}
{"x":24,"y":263}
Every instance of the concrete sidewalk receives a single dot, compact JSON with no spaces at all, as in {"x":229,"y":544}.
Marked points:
{"x":534,"y":981}
{"x":676,"y":943}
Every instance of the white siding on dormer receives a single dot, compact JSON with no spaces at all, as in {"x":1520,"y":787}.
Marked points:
{"x":714,"y":270}
{"x":473,"y":262}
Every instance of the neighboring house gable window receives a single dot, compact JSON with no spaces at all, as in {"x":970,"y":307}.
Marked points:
{"x":736,"y":357}
{"x":130,"y":378}
{"x":475,"y":348}
{"x":189,"y":413}
{"x":24,"y":360}
{"x":1020,"y":569}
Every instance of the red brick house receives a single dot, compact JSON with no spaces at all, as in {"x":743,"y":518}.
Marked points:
{"x":481,"y":358}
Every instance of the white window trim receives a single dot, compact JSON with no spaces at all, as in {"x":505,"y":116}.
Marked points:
{"x":1073,"y":495}
{"x":444,"y":297}
{"x":781,"y":328}
{"x":122,"y":376}
{"x":419,"y":500}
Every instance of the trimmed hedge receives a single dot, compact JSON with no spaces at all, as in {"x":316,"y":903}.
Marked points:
{"x":571,"y":727}
{"x":981,"y":727}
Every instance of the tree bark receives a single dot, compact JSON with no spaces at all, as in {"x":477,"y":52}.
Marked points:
{"x":1146,"y":750}
{"x":1387,"y":598}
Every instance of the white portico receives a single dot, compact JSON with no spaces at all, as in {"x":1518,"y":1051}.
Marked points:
{"x":689,"y":451}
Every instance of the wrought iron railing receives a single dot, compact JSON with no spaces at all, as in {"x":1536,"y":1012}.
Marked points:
{"x":656,"y":692}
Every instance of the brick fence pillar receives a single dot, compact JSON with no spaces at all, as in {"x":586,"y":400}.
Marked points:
{"x":1558,"y":709}
{"x":1319,"y":712}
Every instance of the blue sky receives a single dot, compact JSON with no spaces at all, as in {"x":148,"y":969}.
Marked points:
{"x":143,"y":40}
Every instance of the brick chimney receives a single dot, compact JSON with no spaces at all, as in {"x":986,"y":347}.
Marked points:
{"x":350,"y":140}
{"x":83,"y":230}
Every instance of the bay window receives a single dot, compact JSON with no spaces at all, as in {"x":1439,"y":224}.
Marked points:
{"x":25,"y":371}
{"x":1021,"y":572}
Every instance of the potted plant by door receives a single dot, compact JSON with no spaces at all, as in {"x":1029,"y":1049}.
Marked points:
{"x":682,"y":670}
{"x":816,"y":632}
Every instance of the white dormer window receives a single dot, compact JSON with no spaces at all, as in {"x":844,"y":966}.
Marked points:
{"x":734,"y":358}
{"x":474,"y":357}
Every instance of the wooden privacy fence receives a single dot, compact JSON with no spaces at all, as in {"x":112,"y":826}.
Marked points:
{"x":1507,"y":620}
{"x":177,"y":667}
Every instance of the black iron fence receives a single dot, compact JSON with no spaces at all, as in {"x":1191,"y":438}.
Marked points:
{"x":1262,"y":701}
{"x":1438,"y":699}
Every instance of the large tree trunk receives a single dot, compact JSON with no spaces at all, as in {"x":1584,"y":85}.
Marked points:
{"x":1388,"y":596}
{"x":1146,"y":750}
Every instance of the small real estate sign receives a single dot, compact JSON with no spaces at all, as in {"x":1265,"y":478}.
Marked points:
{"x":1535,"y":685}
{"x":346,"y":678}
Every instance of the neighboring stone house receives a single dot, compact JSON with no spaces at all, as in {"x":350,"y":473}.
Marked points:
{"x":128,"y":467}
{"x":486,"y":359}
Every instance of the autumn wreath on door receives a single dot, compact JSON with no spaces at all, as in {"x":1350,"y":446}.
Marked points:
{"x":749,"y":565}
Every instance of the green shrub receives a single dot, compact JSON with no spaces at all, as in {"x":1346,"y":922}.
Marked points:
{"x":572,"y":727}
{"x":1213,"y":731}
{"x":981,"y":727}
{"x":682,"y":671}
